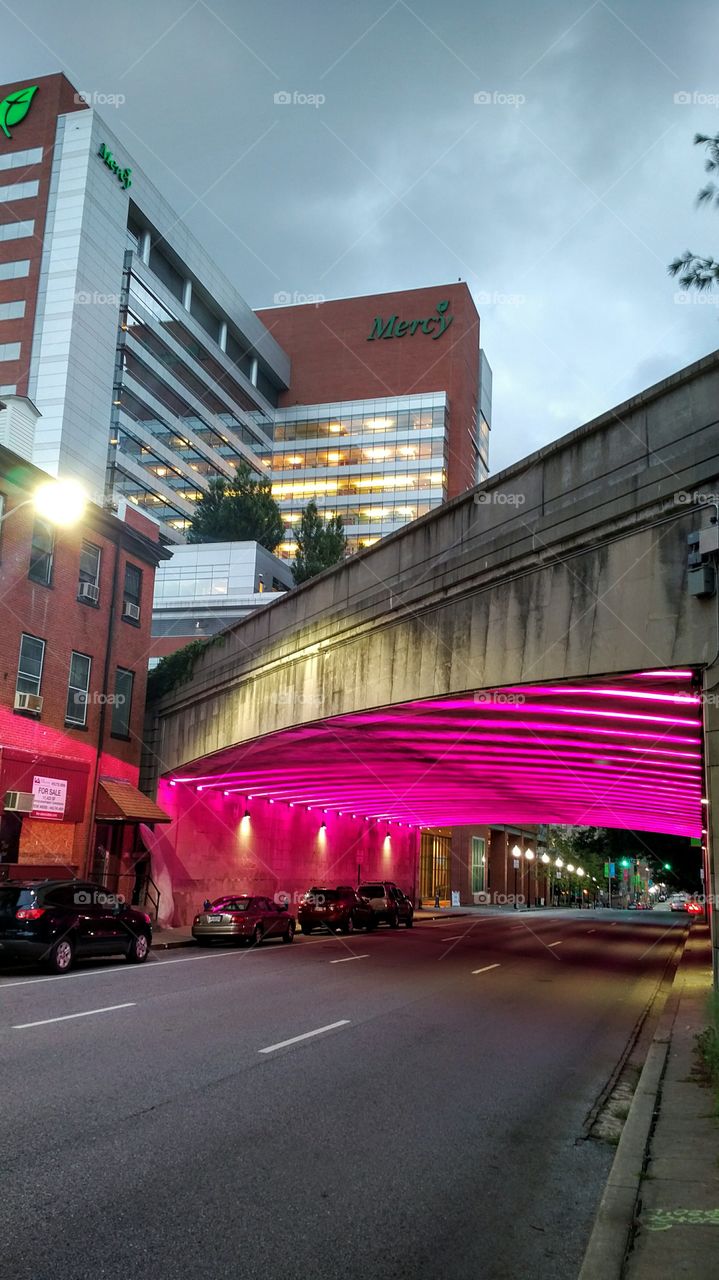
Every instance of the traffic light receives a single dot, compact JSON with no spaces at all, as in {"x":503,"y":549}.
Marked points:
{"x":625,"y":862}
{"x":667,"y":866}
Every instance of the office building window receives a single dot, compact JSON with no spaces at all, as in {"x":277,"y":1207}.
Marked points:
{"x":132,"y":593}
{"x":88,"y":589}
{"x":41,"y":553}
{"x":9,"y":350}
{"x":29,"y":667}
{"x":77,"y":688}
{"x":17,"y":230}
{"x":15,"y":270}
{"x":19,"y":191}
{"x":12,"y":310}
{"x":122,"y":703}
{"x":18,"y":159}
{"x":478,"y":865}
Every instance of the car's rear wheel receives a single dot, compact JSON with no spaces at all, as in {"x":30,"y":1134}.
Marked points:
{"x":139,"y":949}
{"x":349,"y":925}
{"x":257,"y":935}
{"x":61,"y":956}
{"x":307,"y":928}
{"x":289,"y":933}
{"x":409,"y":921}
{"x":394,"y":921}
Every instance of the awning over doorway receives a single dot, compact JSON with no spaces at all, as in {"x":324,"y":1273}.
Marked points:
{"x":119,"y":801}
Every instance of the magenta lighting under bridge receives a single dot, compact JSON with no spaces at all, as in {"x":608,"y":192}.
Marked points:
{"x":625,"y":752}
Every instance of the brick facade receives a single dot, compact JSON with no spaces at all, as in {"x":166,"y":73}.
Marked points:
{"x":54,"y":614}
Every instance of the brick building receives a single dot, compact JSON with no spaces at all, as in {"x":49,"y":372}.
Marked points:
{"x":75,"y":617}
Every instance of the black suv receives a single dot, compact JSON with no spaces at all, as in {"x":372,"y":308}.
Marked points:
{"x":339,"y":908}
{"x":388,"y":903}
{"x":53,"y":921}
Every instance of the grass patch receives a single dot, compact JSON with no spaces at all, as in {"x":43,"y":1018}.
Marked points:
{"x":708,"y":1047}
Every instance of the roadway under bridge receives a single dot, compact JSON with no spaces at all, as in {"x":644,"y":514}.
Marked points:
{"x":542,"y":649}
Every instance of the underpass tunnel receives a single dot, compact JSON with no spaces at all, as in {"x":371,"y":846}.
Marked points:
{"x":441,"y":795}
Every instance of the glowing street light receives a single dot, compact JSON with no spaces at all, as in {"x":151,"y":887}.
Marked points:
{"x":580,"y":871}
{"x":570,"y":867}
{"x":545,"y":858}
{"x":63,"y":502}
{"x":558,"y":863}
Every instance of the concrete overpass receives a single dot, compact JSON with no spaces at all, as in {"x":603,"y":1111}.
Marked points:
{"x":571,"y":565}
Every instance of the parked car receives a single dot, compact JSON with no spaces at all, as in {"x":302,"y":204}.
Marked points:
{"x":694,"y":908}
{"x":388,"y":903}
{"x":678,"y":902}
{"x":341,"y":908}
{"x":242,"y":918}
{"x":55,"y":922}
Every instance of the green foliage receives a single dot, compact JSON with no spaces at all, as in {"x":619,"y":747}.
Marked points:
{"x":708,"y":1044}
{"x":320,"y":544}
{"x":695,"y":272}
{"x":238,"y":510}
{"x":177,"y":668}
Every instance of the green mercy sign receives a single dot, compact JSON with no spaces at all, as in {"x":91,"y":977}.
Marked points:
{"x":396,"y":328}
{"x":122,"y":175}
{"x":15,"y":107}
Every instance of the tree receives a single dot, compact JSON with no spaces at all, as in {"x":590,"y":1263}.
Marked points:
{"x":320,"y":544}
{"x":238,"y":510}
{"x":694,"y":271}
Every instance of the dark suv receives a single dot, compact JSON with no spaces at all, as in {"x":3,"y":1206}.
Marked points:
{"x":388,"y":903}
{"x":53,"y":921}
{"x":339,"y":908}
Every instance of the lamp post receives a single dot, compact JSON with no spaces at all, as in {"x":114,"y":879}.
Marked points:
{"x":570,"y":872}
{"x":559,"y":864}
{"x":529,"y":855}
{"x":547,"y":890}
{"x":580,"y":873}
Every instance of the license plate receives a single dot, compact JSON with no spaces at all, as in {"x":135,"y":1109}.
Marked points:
{"x":215,"y":919}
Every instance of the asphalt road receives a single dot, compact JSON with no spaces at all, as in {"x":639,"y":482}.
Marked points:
{"x":156,"y":1122}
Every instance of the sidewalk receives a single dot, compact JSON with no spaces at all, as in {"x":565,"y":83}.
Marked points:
{"x":659,"y":1214}
{"x":677,"y":1226}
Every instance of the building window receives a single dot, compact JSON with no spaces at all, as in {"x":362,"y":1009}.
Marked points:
{"x":41,"y":553}
{"x":19,"y":191}
{"x":29,"y":667}
{"x":9,"y":350}
{"x":15,"y":270}
{"x":77,"y":687}
{"x":478,"y":865}
{"x":12,"y":310}
{"x":18,"y":159}
{"x":88,"y":587}
{"x":17,"y":230}
{"x":132,"y":593}
{"x":122,"y":703}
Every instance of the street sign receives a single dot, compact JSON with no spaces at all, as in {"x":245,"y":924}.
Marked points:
{"x":609,"y":869}
{"x":516,"y":864}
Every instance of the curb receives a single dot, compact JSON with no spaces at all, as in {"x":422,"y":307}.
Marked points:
{"x":608,"y":1243}
{"x":190,"y":942}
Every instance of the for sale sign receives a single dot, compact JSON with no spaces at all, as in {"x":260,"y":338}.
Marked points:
{"x":49,"y":796}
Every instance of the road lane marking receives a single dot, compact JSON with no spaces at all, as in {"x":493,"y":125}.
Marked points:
{"x":554,"y":944}
{"x":457,"y":938}
{"x":110,"y":1008}
{"x":155,"y":964}
{"x":307,"y":1035}
{"x":591,"y":931}
{"x":345,"y":959}
{"x":486,"y":968}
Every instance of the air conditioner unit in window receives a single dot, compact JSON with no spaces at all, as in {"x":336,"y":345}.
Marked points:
{"x":88,"y":591}
{"x":28,"y":702}
{"x":18,"y":802}
{"x":131,"y":611}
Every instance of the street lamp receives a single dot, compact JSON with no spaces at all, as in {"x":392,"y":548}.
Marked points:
{"x":62,"y":502}
{"x":529,"y":855}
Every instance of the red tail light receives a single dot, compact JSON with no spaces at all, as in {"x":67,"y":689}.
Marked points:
{"x":29,"y":913}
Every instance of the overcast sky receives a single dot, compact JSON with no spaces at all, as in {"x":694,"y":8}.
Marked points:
{"x":560,"y":199}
